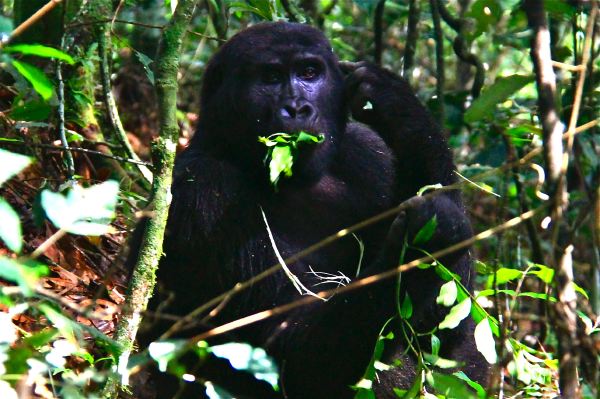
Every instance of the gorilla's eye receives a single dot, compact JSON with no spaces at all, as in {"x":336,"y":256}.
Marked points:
{"x":309,"y":73}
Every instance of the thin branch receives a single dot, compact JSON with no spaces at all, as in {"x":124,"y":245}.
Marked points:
{"x":143,"y":277}
{"x":364,"y":281}
{"x":440,"y":76}
{"x":29,"y":22}
{"x":564,"y":311}
{"x":378,"y":29}
{"x":241,"y":286}
{"x":61,"y":121}
{"x":461,"y":49}
{"x":412,"y":35}
{"x":50,"y":147}
{"x":103,"y":35}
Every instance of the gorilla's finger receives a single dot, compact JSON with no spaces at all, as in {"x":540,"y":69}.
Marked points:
{"x":348,"y":67}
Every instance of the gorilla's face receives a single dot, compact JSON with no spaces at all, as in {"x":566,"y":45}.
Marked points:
{"x":274,"y":78}
{"x":287,"y":93}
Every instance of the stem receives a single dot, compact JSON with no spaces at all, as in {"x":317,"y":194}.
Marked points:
{"x":103,"y":35}
{"x":378,"y":29}
{"x":412,"y":35}
{"x":143,"y":276}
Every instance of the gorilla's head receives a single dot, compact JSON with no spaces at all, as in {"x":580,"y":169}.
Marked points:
{"x":272,"y":78}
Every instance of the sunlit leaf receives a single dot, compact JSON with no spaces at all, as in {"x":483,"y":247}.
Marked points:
{"x":281,"y":163}
{"x":484,"y":340}
{"x":36,"y":77}
{"x":165,"y":351}
{"x":504,"y":275}
{"x":10,"y":227}
{"x":85,"y":211}
{"x":281,"y":151}
{"x":440,"y":362}
{"x":457,"y":314}
{"x":447,"y":295}
{"x":11,"y":164}
{"x":40,"y":51}
{"x":247,"y":358}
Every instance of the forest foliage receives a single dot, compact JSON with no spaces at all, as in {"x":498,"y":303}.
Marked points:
{"x":84,"y":139}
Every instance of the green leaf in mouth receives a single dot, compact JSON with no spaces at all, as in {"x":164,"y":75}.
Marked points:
{"x":282,"y":149}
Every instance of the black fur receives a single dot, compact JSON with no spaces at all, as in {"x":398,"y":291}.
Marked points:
{"x":216,"y":236}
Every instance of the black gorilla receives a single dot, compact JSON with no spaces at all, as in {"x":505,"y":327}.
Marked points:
{"x":282,"y":77}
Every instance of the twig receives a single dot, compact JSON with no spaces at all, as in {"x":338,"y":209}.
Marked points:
{"x":61,"y":121}
{"x":77,"y":149}
{"x":136,"y":23}
{"x":412,"y":34}
{"x":301,"y":288}
{"x":564,"y":315}
{"x":378,"y":29}
{"x":48,"y":243}
{"x":440,"y":76}
{"x":241,"y":286}
{"x":29,"y":22}
{"x":110,"y":104}
{"x":143,"y":276}
{"x":460,"y":48}
{"x":364,"y":281}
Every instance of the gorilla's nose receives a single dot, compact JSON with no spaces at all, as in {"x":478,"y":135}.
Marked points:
{"x":297,"y":109}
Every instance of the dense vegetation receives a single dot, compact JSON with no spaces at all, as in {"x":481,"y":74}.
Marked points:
{"x":91,"y":108}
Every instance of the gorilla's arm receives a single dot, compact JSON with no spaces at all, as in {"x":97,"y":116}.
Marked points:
{"x":387,"y":104}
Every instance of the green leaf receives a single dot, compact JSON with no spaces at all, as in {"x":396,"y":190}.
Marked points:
{"x":457,"y":314}
{"x":26,"y":276}
{"x":11,"y":164}
{"x":146,"y":61}
{"x":504,"y":275}
{"x":165,"y":351}
{"x":543,"y":272}
{"x":31,"y":111}
{"x":476,"y":386}
{"x":440,"y":362}
{"x":281,"y":150}
{"x":447,"y":295}
{"x":10,"y":227}
{"x":435,"y":345}
{"x":449,"y":385}
{"x":40,"y":51}
{"x":484,"y":340}
{"x":245,"y":357}
{"x":406,"y":309}
{"x":84,"y":211}
{"x":426,"y":232}
{"x":36,"y":77}
{"x":502,"y":88}
{"x":281,"y":163}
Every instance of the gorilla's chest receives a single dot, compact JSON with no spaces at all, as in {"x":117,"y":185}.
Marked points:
{"x":302,"y":217}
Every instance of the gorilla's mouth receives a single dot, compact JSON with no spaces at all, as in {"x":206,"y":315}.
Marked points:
{"x":283,"y":150}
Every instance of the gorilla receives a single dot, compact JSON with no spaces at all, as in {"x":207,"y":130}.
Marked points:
{"x":380,"y":147}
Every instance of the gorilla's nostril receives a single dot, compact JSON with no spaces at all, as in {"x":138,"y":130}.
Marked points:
{"x":296,"y":110}
{"x":305,"y":111}
{"x":288,"y":111}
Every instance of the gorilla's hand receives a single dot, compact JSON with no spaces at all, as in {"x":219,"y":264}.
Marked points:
{"x":451,"y":227}
{"x":375,"y":95}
